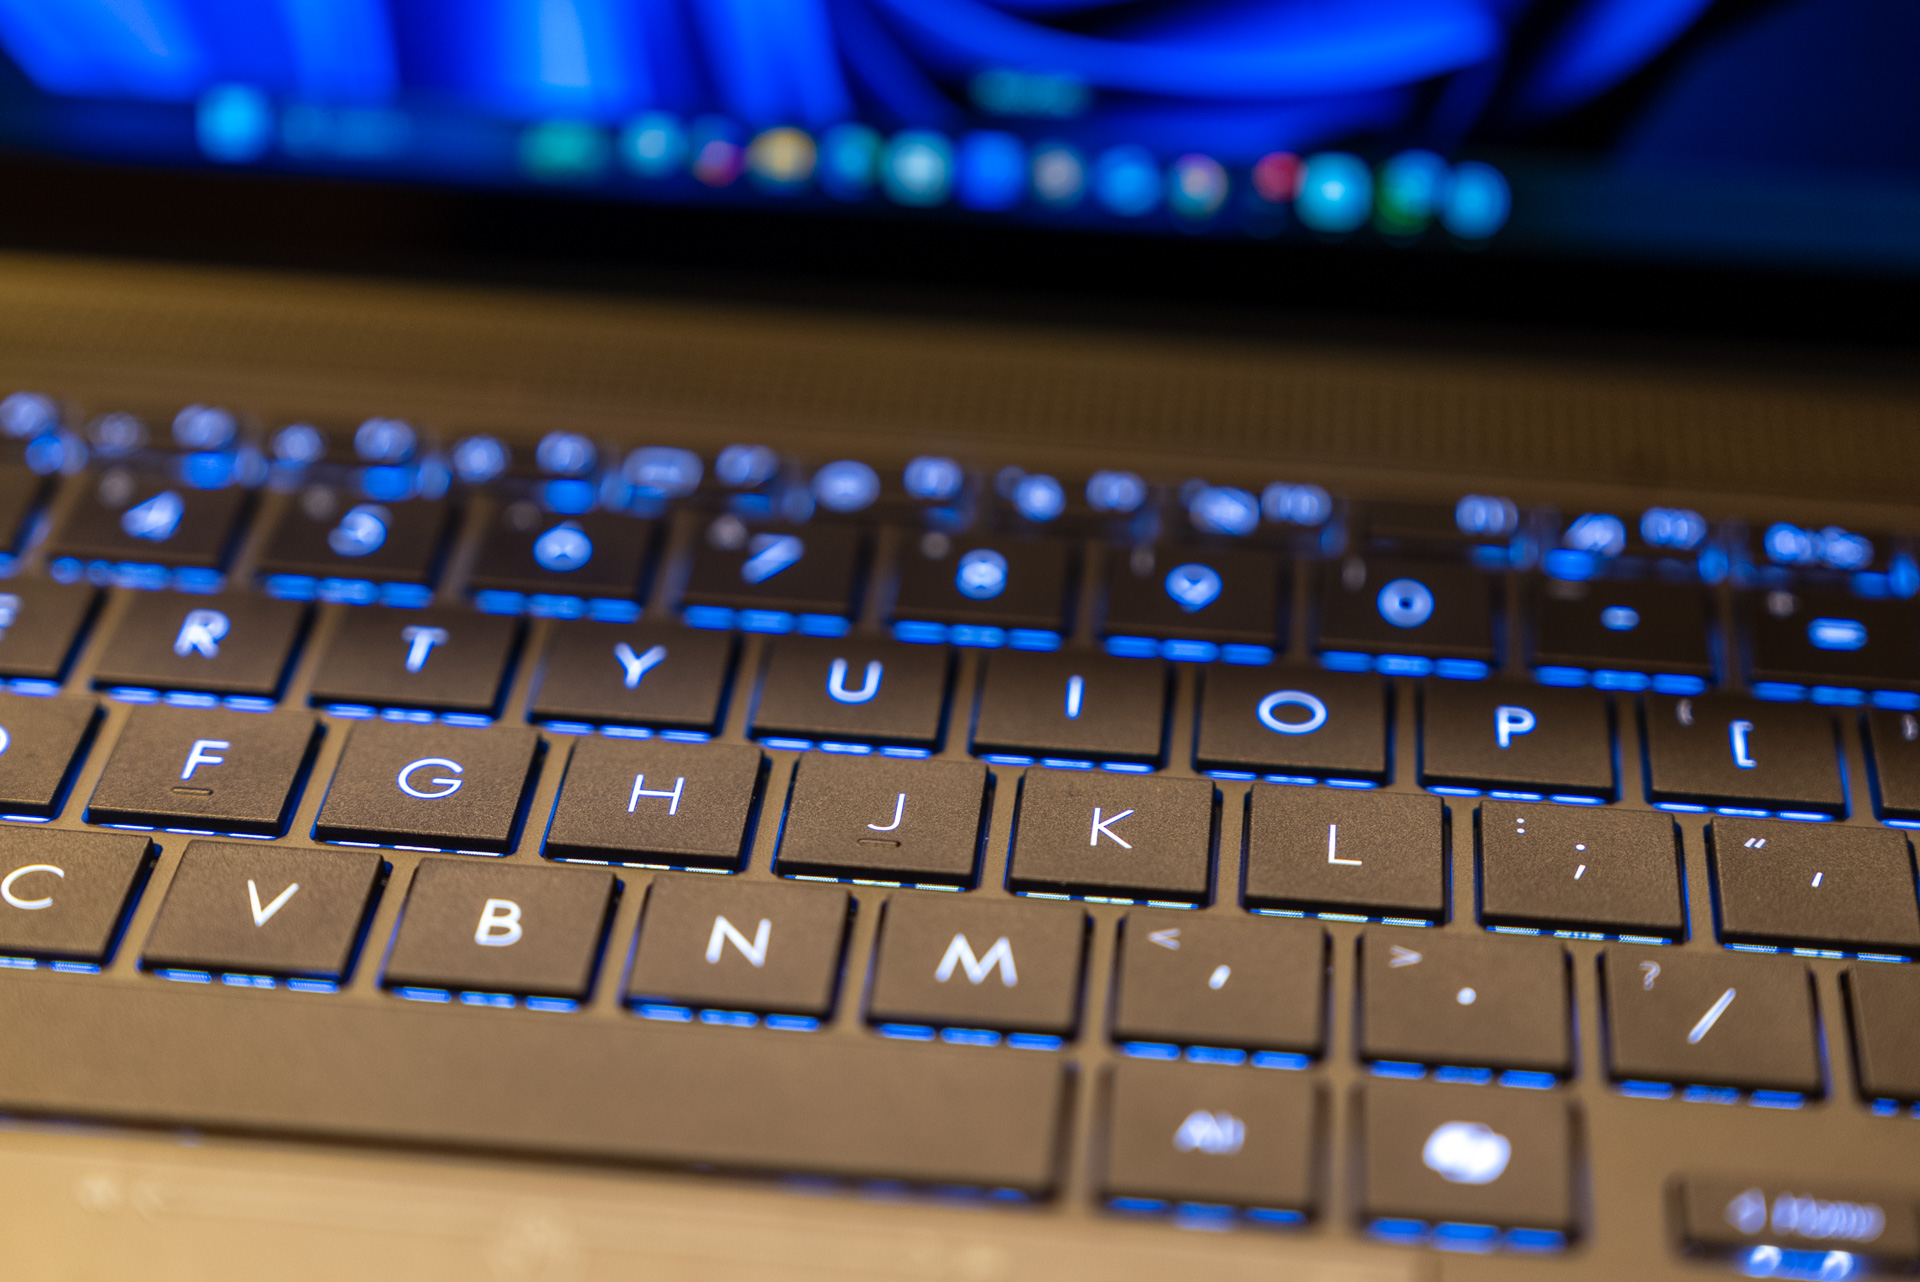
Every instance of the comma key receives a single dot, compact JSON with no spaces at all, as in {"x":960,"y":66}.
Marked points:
{"x":1368,"y":852}
{"x":1198,"y":980}
{"x":950,"y":961}
{"x":713,"y":942}
{"x":1210,"y":1134}
{"x":501,"y":928}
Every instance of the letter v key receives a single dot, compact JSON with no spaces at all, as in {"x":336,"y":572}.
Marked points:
{"x":261,"y":916}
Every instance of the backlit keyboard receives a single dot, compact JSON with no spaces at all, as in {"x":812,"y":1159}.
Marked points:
{"x":1241,"y":858}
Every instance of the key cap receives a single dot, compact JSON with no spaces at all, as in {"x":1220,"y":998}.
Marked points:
{"x":66,"y":894}
{"x":1893,"y":757}
{"x":424,"y":786}
{"x":263,"y":910}
{"x":1723,"y":751}
{"x":875,"y":818}
{"x":978,"y":964}
{"x":184,"y":641}
{"x":329,"y":534}
{"x":1827,"y":638}
{"x":1622,"y":627}
{"x":1292,"y":721}
{"x":1884,"y":1002}
{"x":205,"y":769}
{"x":1744,"y":1021}
{"x":770,"y":948}
{"x":40,"y":624}
{"x":1719,"y":1214}
{"x":1374,"y":853}
{"x":1012,"y":583}
{"x":1797,"y":884}
{"x":1432,"y":998}
{"x":1445,"y":1154}
{"x":1221,"y":981}
{"x":20,"y":491}
{"x":502,"y":928}
{"x":1125,"y":834}
{"x":151,"y":520}
{"x":1185,"y":1133}
{"x":857,"y":691}
{"x":634,"y":674}
{"x":599,"y":554}
{"x":40,"y":743}
{"x":447,"y":660}
{"x":1073,"y":706}
{"x":809,"y":569}
{"x":350,"y":1069}
{"x":1408,"y":607}
{"x":683,"y":805}
{"x":1214,"y":594}
{"x":1518,"y":738}
{"x":1580,"y":869}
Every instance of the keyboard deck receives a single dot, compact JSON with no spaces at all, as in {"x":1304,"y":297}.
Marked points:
{"x":1455,"y":876}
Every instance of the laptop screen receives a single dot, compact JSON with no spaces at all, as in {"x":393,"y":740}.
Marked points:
{"x":1745,"y":133}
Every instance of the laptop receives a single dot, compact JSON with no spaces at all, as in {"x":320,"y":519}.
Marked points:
{"x":972,"y":639}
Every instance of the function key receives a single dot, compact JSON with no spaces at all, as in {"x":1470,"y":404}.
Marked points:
{"x":1718,"y":750}
{"x":66,"y":894}
{"x":864,"y":691}
{"x":633,"y":674}
{"x":916,"y":821}
{"x":1893,"y":755}
{"x":1200,"y":593}
{"x":1072,"y":706}
{"x":955,"y":962}
{"x":124,"y":517}
{"x":1885,"y":1004}
{"x":1292,"y":721}
{"x":1114,"y":834}
{"x":40,"y":624}
{"x":1467,"y":1155}
{"x":1432,"y":998}
{"x":1406,"y":607}
{"x":424,"y":786}
{"x":205,"y":769}
{"x":1583,"y":869}
{"x":185,"y":641}
{"x":264,"y":910}
{"x":685,"y":805}
{"x":1824,"y":885}
{"x":40,"y":743}
{"x":1720,"y":1214}
{"x":447,"y":660}
{"x":501,"y":928}
{"x":1196,"y":980}
{"x":1215,"y":1135}
{"x":1802,"y":638}
{"x":1008,"y":583}
{"x":324,"y":533}
{"x":740,"y":946}
{"x":1369,"y":853}
{"x":596,"y":554}
{"x":1613,"y":633}
{"x":810,"y":569}
{"x":1736,"y":1021}
{"x":1525,"y":739}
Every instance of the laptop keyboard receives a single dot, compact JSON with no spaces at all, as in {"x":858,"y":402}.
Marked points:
{"x":1271,"y":862}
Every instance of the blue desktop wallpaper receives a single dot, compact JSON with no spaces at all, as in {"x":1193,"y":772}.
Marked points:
{"x":1785,"y":130}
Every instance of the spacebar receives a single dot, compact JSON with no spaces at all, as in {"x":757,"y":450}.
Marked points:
{"x":565,"y":1084}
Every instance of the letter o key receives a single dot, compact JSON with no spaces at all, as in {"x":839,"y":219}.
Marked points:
{"x":446,"y":787}
{"x":1268,"y":712}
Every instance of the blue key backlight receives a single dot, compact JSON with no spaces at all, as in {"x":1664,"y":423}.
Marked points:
{"x":1619,"y":618}
{"x":1837,"y":634}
